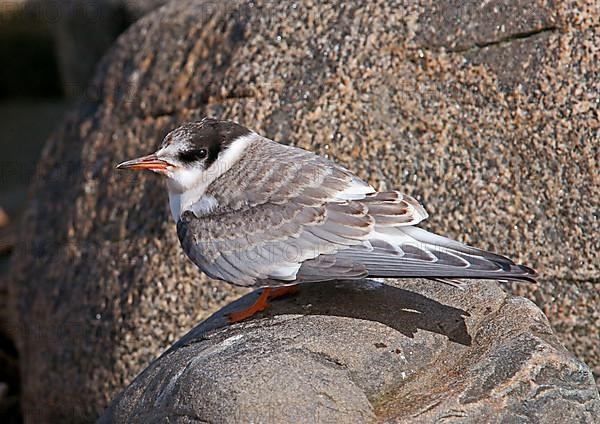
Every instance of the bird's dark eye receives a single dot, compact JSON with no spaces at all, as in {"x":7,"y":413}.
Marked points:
{"x":193,"y":155}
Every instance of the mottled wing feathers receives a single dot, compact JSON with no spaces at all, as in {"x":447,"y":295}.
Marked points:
{"x":271,"y":241}
{"x":393,"y":209}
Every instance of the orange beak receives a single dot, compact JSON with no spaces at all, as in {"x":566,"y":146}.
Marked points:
{"x":150,"y":162}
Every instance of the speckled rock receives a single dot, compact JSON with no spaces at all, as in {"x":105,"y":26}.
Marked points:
{"x":495,"y":133}
{"x":364,"y":352}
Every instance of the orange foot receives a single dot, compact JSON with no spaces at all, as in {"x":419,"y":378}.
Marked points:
{"x":261,"y":303}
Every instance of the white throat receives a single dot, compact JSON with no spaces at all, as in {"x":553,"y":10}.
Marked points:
{"x":188,"y":191}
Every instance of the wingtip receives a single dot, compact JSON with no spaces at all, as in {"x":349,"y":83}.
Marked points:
{"x":532,"y":274}
{"x":528,"y":275}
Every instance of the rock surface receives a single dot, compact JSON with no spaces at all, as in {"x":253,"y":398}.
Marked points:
{"x":493,"y":128}
{"x":364,"y":352}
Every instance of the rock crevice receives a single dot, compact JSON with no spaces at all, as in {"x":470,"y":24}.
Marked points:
{"x":507,"y":40}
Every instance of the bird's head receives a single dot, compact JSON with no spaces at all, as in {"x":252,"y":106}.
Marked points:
{"x":189,"y":155}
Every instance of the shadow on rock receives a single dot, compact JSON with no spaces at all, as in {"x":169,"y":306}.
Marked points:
{"x":400,"y":309}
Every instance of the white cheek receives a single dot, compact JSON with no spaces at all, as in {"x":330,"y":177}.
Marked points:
{"x":185,"y":178}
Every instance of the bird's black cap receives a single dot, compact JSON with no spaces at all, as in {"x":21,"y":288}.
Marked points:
{"x":205,"y":139}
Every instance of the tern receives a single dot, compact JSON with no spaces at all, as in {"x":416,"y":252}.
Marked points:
{"x":257,"y":213}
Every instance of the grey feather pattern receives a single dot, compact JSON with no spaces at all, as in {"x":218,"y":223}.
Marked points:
{"x":286,"y":215}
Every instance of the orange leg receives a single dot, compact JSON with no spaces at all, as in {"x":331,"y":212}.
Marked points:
{"x":261,"y":303}
{"x":283,"y":291}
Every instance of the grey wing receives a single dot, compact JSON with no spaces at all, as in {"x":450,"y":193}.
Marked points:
{"x":247,"y":246}
{"x":305,"y":239}
{"x":271,"y":242}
